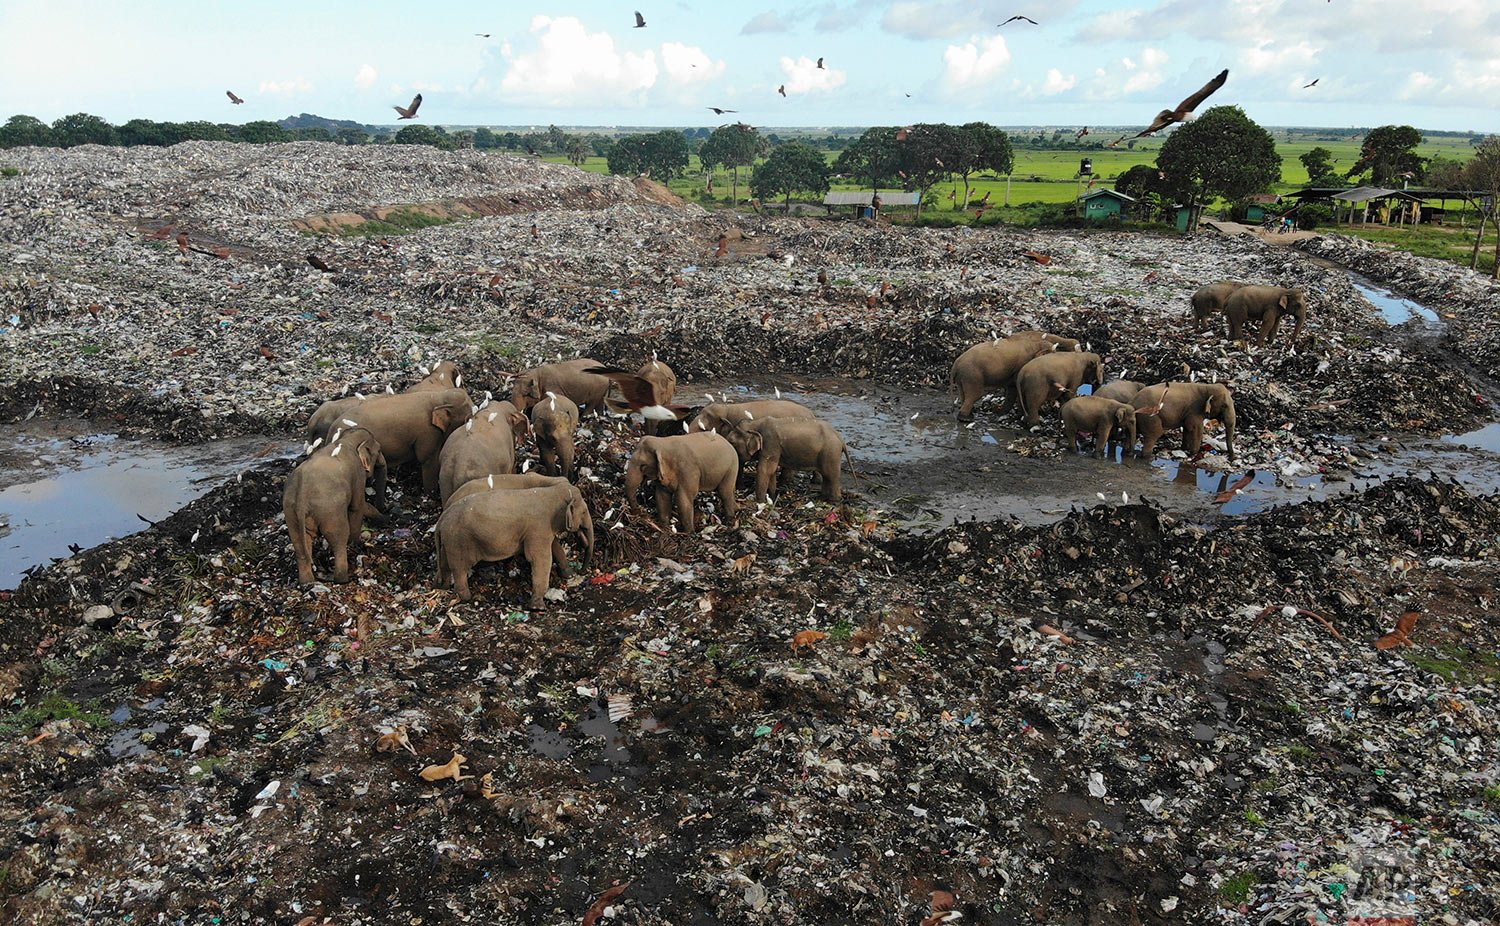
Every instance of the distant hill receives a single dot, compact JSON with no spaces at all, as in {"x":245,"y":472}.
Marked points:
{"x":310,"y":121}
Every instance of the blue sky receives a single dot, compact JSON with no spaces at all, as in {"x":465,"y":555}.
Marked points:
{"x":1431,"y":63}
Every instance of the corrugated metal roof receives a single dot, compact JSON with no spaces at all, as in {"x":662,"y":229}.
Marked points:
{"x":857,"y":198}
{"x":1363,"y":194}
{"x":1113,"y":193}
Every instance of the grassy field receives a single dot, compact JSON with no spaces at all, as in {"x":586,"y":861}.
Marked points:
{"x":1444,"y":242}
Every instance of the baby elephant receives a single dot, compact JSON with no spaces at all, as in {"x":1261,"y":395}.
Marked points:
{"x":325,"y":495}
{"x":789,"y":444}
{"x":494,"y":526}
{"x":1054,"y":375}
{"x":1109,"y":421}
{"x":555,"y":419}
{"x":682,"y":467}
{"x":510,"y":482}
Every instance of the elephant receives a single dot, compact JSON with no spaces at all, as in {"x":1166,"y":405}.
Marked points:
{"x":663,"y":380}
{"x":1166,"y":406}
{"x":682,"y":466}
{"x":411,"y":427}
{"x":1121,"y":390}
{"x":723,"y":416}
{"x":555,"y":419}
{"x":1207,"y":300}
{"x":443,"y":376}
{"x":494,"y":526}
{"x":1265,"y":304}
{"x":790,"y":444}
{"x":1108,"y":420}
{"x":994,"y":365}
{"x":485,"y":444}
{"x":321,"y":423}
{"x":1049,"y":376}
{"x":568,"y":378}
{"x":514,"y":481}
{"x":325,"y":495}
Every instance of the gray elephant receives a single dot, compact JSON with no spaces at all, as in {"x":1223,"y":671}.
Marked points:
{"x":1167,"y":406}
{"x":1109,"y":421}
{"x":1207,"y":300}
{"x":411,"y":428}
{"x":555,"y":420}
{"x":723,"y":416}
{"x":786,"y":444}
{"x":1121,"y":390}
{"x":993,"y":365}
{"x":494,"y":526}
{"x":485,"y":444}
{"x":1265,"y":305}
{"x":502,"y":482}
{"x":443,"y":376}
{"x":325,"y":495}
{"x":681,"y":467}
{"x":1046,"y":378}
{"x":585,"y":389}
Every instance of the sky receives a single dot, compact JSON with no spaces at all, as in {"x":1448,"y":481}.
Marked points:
{"x":1430,"y":63}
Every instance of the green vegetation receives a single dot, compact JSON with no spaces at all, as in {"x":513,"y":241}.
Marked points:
{"x":10,"y":171}
{"x":1457,"y":663}
{"x":1221,"y":155}
{"x":55,"y":706}
{"x":397,"y":222}
{"x":663,"y":155}
{"x":1237,"y":889}
{"x":1390,"y":154}
{"x":791,"y":168}
{"x":1492,"y":794}
{"x":841,"y":631}
{"x":1444,"y":242}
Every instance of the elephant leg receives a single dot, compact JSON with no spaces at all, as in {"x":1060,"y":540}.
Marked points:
{"x":685,"y":512}
{"x":444,"y":574}
{"x":833,"y":488}
{"x":461,"y":567}
{"x":726,"y":498}
{"x":765,"y":472}
{"x":1070,"y":437}
{"x":664,"y":506}
{"x":560,"y":558}
{"x":382,"y":471}
{"x":1101,"y":439}
{"x":302,"y":547}
{"x":430,"y":469}
{"x":1150,"y":434}
{"x":539,"y":552}
{"x":1269,"y":325}
{"x":338,"y":542}
{"x":1192,"y":437}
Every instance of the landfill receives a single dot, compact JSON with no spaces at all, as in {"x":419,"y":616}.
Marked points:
{"x":814,"y":714}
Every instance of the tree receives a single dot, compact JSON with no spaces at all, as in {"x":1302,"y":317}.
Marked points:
{"x":485,"y":139}
{"x":425,"y":135}
{"x":204,"y":131}
{"x":732,"y":146}
{"x":1482,"y":176}
{"x":870,"y":159}
{"x":791,"y":168}
{"x":312,"y":133}
{"x":1222,"y":153}
{"x":20,"y":131}
{"x":261,"y":132}
{"x":1319,"y":164}
{"x":147,"y":132}
{"x":982,"y":147}
{"x":925,"y":157}
{"x":352,"y":137}
{"x":579,"y":150}
{"x":663,"y":154}
{"x":1145,"y":184}
{"x":1389,"y":152}
{"x":83,"y":129}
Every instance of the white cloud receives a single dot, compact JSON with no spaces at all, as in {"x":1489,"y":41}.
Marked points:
{"x":1147,"y":74}
{"x":976,"y":63}
{"x":366,"y":77}
{"x":769,"y":21}
{"x":1058,"y":83}
{"x":804,"y":76}
{"x":1132,"y":74}
{"x":1273,"y":58}
{"x":287,"y":87}
{"x":571,"y":66}
{"x":688,"y":64}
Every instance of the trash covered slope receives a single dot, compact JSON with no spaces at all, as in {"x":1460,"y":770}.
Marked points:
{"x":92,"y":267}
{"x":1109,"y":719}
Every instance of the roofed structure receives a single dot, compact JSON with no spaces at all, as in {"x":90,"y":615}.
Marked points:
{"x":865,"y":198}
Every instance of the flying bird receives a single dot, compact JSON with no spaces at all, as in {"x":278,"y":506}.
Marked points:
{"x":410,"y":112}
{"x":1184,"y":110}
{"x":781,"y":89}
{"x":1020,"y":17}
{"x":483,"y":35}
{"x":640,"y":21}
{"x":1116,"y":142}
{"x":720,"y":112}
{"x":820,"y":65}
{"x":1082,"y":132}
{"x":1313,"y":84}
{"x":640,"y":395}
{"x":234,"y":98}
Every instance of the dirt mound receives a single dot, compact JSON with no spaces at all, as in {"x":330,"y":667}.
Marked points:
{"x":657,"y":192}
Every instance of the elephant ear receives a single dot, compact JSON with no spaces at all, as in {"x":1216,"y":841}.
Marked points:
{"x":666,"y":469}
{"x":519,"y":423}
{"x":1282,"y":301}
{"x":367,"y":455}
{"x":441,"y":416}
{"x":575,"y":510}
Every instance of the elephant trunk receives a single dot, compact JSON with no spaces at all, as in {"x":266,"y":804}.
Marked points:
{"x":633,"y":478}
{"x":1226,"y":415}
{"x":586,"y":530}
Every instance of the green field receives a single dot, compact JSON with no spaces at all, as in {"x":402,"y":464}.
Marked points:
{"x":1048,"y":176}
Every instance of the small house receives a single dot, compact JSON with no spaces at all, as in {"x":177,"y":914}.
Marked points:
{"x":1255,"y":211}
{"x":1099,"y":205}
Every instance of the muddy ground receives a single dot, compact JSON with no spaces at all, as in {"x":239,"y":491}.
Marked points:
{"x":1064,"y":710}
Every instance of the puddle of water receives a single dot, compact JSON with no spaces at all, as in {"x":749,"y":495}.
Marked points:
{"x":85,"y":489}
{"x":549,"y":743}
{"x":1396,"y":310}
{"x":917,"y":462}
{"x":1486,"y":438}
{"x":128,"y":744}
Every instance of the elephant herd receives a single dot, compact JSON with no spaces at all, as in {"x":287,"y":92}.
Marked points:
{"x":467,"y":452}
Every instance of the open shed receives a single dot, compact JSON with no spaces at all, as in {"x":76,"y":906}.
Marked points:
{"x":862,"y":201}
{"x":1388,"y":205}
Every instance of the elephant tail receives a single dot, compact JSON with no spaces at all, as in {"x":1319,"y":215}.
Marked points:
{"x":850,"y":460}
